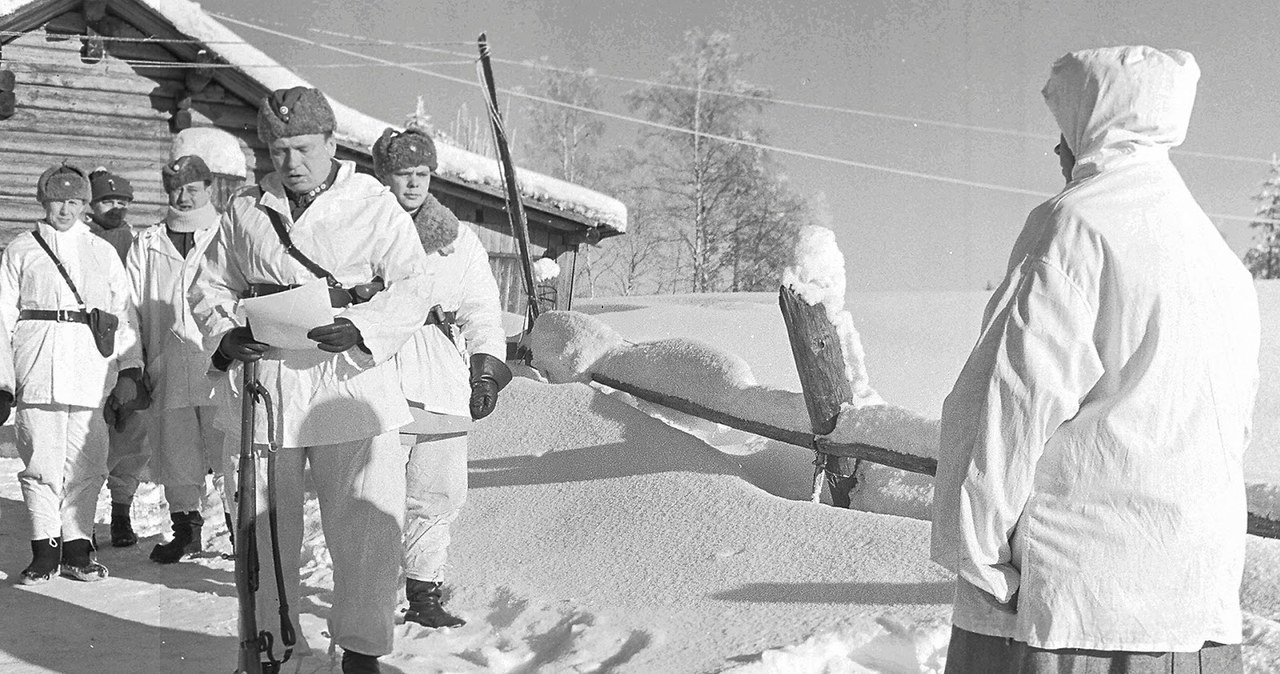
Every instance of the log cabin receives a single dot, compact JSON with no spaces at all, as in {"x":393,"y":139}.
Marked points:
{"x":107,"y":83}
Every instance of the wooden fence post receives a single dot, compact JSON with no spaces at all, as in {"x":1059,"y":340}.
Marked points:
{"x":815,"y":345}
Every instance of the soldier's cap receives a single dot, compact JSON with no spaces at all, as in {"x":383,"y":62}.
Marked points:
{"x":62,"y":182}
{"x":104,"y":184}
{"x":183,"y":170}
{"x":220,"y":150}
{"x":299,"y":111}
{"x":397,"y":150}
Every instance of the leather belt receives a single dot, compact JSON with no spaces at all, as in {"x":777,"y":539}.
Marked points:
{"x":339,"y":298}
{"x":56,"y":315}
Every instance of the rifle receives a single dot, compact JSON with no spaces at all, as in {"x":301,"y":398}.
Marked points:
{"x":254,"y":643}
{"x":515,"y":207}
{"x":246,"y":547}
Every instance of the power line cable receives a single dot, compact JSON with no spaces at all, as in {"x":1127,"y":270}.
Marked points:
{"x":634,"y":120}
{"x":182,"y":65}
{"x":767,"y":99}
{"x":359,"y":40}
{"x":197,"y":41}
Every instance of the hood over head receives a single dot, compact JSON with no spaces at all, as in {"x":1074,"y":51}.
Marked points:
{"x":1119,"y":103}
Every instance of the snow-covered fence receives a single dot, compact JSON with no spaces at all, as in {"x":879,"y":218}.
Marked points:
{"x":838,"y":414}
{"x":858,"y":450}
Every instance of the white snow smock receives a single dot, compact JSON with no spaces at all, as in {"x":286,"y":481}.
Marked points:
{"x":434,"y":372}
{"x":176,"y":358}
{"x":1090,"y":461}
{"x":58,"y":362}
{"x":356,"y":230}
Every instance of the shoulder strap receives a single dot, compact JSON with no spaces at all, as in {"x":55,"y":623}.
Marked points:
{"x":278,"y":225}
{"x":61,"y":270}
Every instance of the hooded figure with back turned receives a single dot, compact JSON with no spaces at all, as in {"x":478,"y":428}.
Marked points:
{"x":1090,"y":493}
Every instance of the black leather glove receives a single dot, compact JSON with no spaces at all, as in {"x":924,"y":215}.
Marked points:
{"x":6,"y":405}
{"x":488,"y":376}
{"x":337,"y":336}
{"x":239,"y":344}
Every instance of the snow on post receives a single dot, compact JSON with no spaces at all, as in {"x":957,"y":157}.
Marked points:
{"x":817,"y":276}
{"x":545,"y":270}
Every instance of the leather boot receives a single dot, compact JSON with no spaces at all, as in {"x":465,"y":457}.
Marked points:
{"x":46,"y":555}
{"x":425,"y":607}
{"x":122,"y":535}
{"x":231,"y":528}
{"x":187,"y":528}
{"x":359,"y":663}
{"x":80,"y":563}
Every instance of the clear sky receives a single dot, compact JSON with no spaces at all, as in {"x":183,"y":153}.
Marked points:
{"x":975,"y":62}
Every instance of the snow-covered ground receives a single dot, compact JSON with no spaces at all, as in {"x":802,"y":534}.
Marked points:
{"x":598,"y":538}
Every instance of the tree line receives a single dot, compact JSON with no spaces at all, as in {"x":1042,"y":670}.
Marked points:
{"x":704,"y":215}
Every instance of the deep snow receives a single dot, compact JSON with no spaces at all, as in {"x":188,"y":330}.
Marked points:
{"x":599,"y":538}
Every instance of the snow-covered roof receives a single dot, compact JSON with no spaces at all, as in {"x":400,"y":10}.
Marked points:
{"x":358,"y":130}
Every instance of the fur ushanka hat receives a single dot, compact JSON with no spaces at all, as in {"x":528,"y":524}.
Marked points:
{"x":394,"y":151}
{"x":62,"y":182}
{"x":299,"y":111}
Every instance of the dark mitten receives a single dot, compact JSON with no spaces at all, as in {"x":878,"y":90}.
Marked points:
{"x":239,"y":344}
{"x":488,"y":376}
{"x":337,"y":336}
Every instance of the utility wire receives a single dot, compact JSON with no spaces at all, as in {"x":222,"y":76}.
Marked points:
{"x":199,"y":42}
{"x":359,"y":40}
{"x":183,"y":65}
{"x":739,"y":141}
{"x":763,"y":99}
{"x":666,"y":127}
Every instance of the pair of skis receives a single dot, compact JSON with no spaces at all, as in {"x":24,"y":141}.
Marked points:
{"x":515,"y":207}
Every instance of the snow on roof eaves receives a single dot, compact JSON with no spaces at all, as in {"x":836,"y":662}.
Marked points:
{"x":359,"y":131}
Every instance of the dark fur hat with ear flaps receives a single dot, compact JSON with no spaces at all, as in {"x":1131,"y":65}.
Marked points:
{"x":394,"y":151}
{"x":62,"y":182}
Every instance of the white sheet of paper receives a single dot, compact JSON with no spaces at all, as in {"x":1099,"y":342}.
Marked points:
{"x":284,"y":319}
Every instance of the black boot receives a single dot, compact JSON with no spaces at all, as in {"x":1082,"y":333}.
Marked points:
{"x":80,"y":563}
{"x":425,"y":607}
{"x":122,"y":535}
{"x":231,"y":528}
{"x":359,"y":663}
{"x":187,"y":528}
{"x":46,"y":554}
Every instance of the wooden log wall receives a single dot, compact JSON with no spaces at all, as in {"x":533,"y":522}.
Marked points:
{"x":116,"y":114}
{"x":111,"y":114}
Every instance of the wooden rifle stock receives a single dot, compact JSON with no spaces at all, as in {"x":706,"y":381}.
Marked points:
{"x":246,"y":548}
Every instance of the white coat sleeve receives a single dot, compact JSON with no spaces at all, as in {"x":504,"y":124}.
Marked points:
{"x":480,"y":312}
{"x":392,"y":316}
{"x":219,"y":284}
{"x":1043,"y":366}
{"x":128,"y":349}
{"x":10,"y":289}
{"x":8,"y":317}
{"x":134,"y":267}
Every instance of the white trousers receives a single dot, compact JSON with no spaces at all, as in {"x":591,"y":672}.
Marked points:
{"x":436,"y":487}
{"x":360,"y":486}
{"x":64,"y":454}
{"x":127,"y":457}
{"x":188,"y":448}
